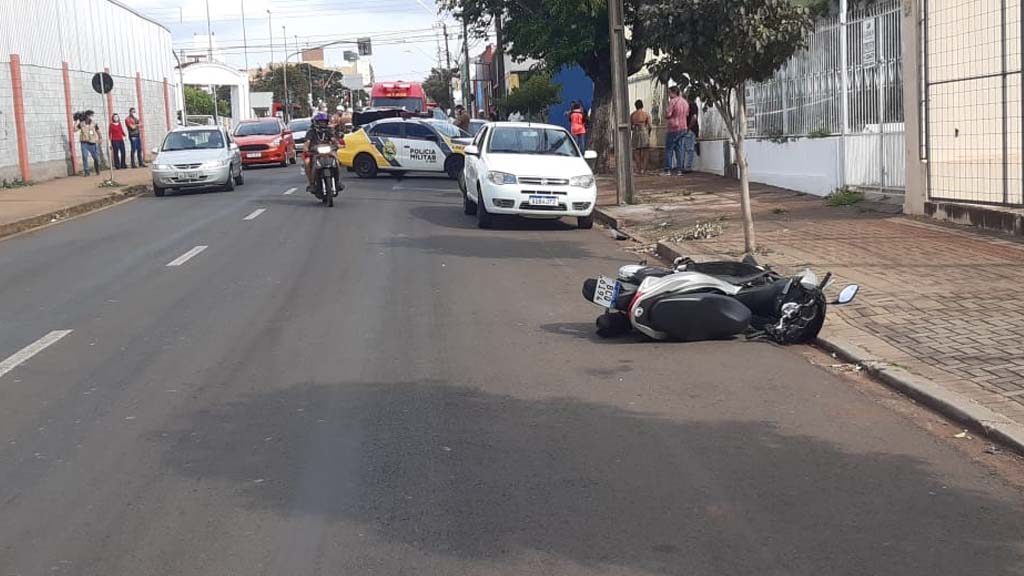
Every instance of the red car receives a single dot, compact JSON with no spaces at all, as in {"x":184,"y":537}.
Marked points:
{"x":265,"y":141}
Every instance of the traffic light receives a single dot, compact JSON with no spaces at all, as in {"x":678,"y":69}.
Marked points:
{"x":365,"y":47}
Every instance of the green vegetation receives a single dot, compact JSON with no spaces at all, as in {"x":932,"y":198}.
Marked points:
{"x":820,"y":132}
{"x":16,"y":183}
{"x":844,"y":197}
{"x":532,"y":97}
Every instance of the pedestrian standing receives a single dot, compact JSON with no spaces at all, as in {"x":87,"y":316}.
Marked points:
{"x":578,"y":125}
{"x":690,"y":136}
{"x":116,"y":133}
{"x":677,"y":114}
{"x":640,"y":122}
{"x":462,"y":119}
{"x":133,"y":123}
{"x":89,"y":138}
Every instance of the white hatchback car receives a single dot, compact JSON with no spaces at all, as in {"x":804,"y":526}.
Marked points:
{"x":531,"y":170}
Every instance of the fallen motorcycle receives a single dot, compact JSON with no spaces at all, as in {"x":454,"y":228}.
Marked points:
{"x":712,"y":301}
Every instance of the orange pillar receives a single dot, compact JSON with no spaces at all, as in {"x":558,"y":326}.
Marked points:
{"x":70,"y":118}
{"x":142,"y":112}
{"x":19,"y":117}
{"x":167,"y":107}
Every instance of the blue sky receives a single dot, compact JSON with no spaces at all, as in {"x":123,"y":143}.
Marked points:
{"x":405,"y":32}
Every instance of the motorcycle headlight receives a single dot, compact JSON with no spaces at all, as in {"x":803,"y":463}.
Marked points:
{"x":213,"y":163}
{"x":585,"y":181}
{"x":501,"y":177}
{"x":323,"y":149}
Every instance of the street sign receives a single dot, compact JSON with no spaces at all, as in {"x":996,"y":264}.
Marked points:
{"x":365,"y":47}
{"x":102,"y":82}
{"x":867,"y":29}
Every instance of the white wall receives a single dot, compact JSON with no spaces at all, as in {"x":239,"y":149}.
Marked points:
{"x":809,"y":165}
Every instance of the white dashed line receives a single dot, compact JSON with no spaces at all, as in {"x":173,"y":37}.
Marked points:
{"x":255,"y":214}
{"x":289,"y":192}
{"x":31,"y":350}
{"x":187,"y":256}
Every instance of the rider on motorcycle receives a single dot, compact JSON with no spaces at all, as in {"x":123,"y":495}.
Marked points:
{"x":321,"y":132}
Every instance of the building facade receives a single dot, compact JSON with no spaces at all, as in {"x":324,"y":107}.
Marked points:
{"x":49,"y":52}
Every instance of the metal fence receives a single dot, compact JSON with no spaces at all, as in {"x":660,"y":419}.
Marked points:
{"x":811,"y":96}
{"x":972,"y":100}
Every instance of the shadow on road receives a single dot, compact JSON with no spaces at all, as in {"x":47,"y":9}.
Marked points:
{"x":491,"y":247}
{"x":460,"y":473}
{"x":451,"y":216}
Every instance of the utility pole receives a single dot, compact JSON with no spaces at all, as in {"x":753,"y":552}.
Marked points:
{"x":287,"y":106}
{"x":448,"y":68}
{"x":270,"y":27}
{"x":620,"y":96}
{"x":467,"y":85}
{"x":209,"y":36}
{"x":245,"y":41}
{"x":499,"y":57}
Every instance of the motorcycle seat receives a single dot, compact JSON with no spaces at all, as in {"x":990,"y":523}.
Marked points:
{"x":762,"y":299}
{"x":735,"y":273}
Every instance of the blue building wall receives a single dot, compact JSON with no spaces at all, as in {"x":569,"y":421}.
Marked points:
{"x":576,"y":85}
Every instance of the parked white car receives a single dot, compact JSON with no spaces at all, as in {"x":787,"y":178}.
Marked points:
{"x":531,"y":170}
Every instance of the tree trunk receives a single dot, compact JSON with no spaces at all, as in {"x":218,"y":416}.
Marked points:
{"x":600,"y":131}
{"x":749,"y":242}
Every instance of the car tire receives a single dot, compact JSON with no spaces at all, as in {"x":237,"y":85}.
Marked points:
{"x":229,"y":186}
{"x":454,"y":167}
{"x":240,"y":179}
{"x":365,"y":166}
{"x":584,"y":222}
{"x":284,"y":161}
{"x":158,"y":191}
{"x":484,"y":219}
{"x":468,"y":206}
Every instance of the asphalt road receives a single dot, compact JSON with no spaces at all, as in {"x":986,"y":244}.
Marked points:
{"x":381,"y":388}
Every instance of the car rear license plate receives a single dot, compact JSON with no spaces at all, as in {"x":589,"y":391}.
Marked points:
{"x":606,"y":292}
{"x":253,"y":155}
{"x":543,"y":200}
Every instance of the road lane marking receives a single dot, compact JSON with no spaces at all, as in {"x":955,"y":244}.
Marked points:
{"x":31,"y":350}
{"x":255,"y":214}
{"x":187,"y":256}
{"x":289,"y":192}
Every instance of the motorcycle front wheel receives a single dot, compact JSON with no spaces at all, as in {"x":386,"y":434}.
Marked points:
{"x":327,"y":191}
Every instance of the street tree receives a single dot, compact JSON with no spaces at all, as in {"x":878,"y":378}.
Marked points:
{"x":714,"y":47}
{"x":303,"y":80}
{"x":436,"y":85}
{"x":563,"y":33}
{"x":533,"y":96}
{"x":199,"y":102}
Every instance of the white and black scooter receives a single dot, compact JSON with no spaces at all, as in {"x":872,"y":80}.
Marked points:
{"x":711,"y":301}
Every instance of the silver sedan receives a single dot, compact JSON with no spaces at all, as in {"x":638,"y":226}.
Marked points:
{"x":197,"y":157}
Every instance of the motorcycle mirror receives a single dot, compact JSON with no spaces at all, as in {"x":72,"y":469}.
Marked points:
{"x":848,"y":294}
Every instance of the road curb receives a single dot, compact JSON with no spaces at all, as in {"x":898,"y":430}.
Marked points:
{"x":608,"y":220}
{"x":935,"y":396}
{"x":69,"y":212}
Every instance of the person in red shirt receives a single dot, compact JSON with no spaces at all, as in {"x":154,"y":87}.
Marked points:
{"x":117,"y":141}
{"x":578,"y":125}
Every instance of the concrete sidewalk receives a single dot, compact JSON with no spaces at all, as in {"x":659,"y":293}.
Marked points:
{"x":940,"y":313}
{"x":54,"y":200}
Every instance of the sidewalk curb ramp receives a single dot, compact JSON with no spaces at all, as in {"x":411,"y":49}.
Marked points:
{"x":947,"y":402}
{"x":115,"y":196}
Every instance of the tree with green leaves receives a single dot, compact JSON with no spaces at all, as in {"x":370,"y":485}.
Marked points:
{"x":532,"y":97}
{"x":714,"y":47}
{"x":563,"y":33}
{"x":436,"y":85}
{"x":325,"y":84}
{"x":199,"y":102}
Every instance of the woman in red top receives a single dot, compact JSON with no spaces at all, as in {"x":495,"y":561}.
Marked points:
{"x":578,"y":125}
{"x":117,"y":141}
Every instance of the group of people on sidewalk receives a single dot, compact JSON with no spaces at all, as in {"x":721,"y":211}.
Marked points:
{"x":90,"y":137}
{"x":683,"y":127}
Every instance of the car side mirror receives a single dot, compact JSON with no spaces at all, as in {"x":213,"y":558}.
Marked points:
{"x":234,"y":146}
{"x":155,"y":151}
{"x":471,"y":150}
{"x":590,"y":155}
{"x":846,"y":295}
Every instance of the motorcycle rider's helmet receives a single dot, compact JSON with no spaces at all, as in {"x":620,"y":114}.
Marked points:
{"x":321,"y":117}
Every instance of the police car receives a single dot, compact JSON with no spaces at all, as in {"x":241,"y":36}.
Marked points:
{"x":400,"y":145}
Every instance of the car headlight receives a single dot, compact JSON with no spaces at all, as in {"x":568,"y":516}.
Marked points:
{"x":323,"y":149}
{"x":501,"y":177}
{"x":275,"y":143}
{"x":162,"y":167}
{"x":213,"y":163}
{"x":585,"y":181}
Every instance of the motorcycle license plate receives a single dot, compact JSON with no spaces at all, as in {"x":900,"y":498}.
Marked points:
{"x":254,"y":155}
{"x":606,"y":293}
{"x":543,"y":200}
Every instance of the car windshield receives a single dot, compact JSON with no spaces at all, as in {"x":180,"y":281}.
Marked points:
{"x":474,"y":127}
{"x":448,"y":129}
{"x":193,"y":140}
{"x":529,"y":140}
{"x":410,"y":104}
{"x":299,"y":126}
{"x":258,"y":129}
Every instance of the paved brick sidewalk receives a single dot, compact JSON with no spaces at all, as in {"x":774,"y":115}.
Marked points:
{"x":940,"y":302}
{"x":31,"y":206}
